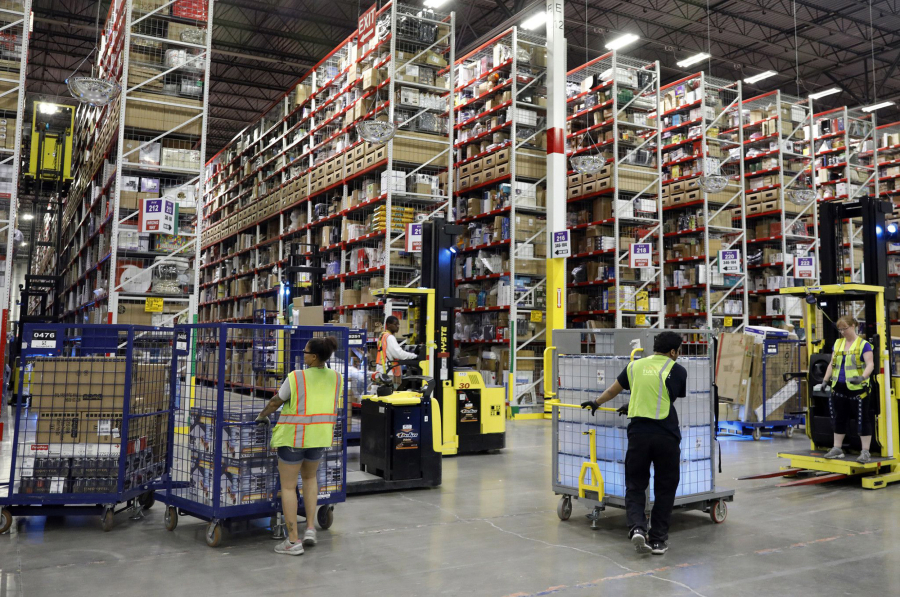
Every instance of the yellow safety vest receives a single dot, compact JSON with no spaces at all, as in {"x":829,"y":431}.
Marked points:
{"x":308,"y":422}
{"x":854,"y":366}
{"x":649,"y":395}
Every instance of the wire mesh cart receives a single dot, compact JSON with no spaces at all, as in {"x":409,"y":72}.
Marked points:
{"x":91,"y":420}
{"x":357,"y":382}
{"x":222,"y":469}
{"x":773,"y":398}
{"x":589,"y":451}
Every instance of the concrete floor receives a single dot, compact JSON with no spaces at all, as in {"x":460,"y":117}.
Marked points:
{"x":491,"y":529}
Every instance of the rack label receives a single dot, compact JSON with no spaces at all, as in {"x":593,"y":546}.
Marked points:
{"x":43,"y":339}
{"x":730,"y":261}
{"x":414,"y":238}
{"x":806,"y":268}
{"x":640,"y":255}
{"x":537,"y":316}
{"x":153,"y":304}
{"x":159,"y":216}
{"x":561,"y":245}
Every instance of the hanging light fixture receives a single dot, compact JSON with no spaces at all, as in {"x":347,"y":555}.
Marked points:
{"x":590,"y":163}
{"x":376,"y":131}
{"x":802,"y":196}
{"x":93,"y":90}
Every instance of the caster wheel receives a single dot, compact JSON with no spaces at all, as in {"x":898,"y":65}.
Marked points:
{"x":214,"y":534}
{"x":5,"y":521}
{"x":106,"y":520}
{"x":757,"y":433}
{"x":171,"y":518}
{"x":564,"y":507}
{"x":146,"y":500}
{"x":718,"y":512}
{"x":789,"y":432}
{"x":325,"y":517}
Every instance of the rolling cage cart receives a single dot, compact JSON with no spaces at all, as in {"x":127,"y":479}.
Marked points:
{"x":221,"y":467}
{"x":589,"y":451}
{"x":91,"y":421}
{"x":779,"y":407}
{"x":357,"y":382}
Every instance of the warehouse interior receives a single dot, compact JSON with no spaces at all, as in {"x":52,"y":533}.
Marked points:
{"x":486,"y":218}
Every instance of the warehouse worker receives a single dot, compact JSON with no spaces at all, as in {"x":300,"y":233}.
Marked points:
{"x":388,"y":349}
{"x":850,"y":388}
{"x":654,"y":438}
{"x":310,"y":398}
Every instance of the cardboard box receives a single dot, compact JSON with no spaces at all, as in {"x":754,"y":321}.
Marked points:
{"x":733,"y":364}
{"x":103,"y":427}
{"x":314,"y":316}
{"x":56,"y":427}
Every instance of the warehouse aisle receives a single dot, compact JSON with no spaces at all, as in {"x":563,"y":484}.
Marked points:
{"x":490,"y":530}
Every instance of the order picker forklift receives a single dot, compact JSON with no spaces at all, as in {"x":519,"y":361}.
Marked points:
{"x":867,"y":300}
{"x":440,"y":409}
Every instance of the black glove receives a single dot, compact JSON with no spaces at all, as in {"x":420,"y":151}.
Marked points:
{"x":591,"y":405}
{"x":622,"y":410}
{"x":263,"y":421}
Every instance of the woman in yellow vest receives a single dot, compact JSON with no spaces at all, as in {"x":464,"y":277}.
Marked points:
{"x":854,"y":361}
{"x":310,"y":399}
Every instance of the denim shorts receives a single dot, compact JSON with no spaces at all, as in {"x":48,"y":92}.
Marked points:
{"x":290,"y":455}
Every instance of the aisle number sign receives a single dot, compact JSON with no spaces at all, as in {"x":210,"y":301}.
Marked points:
{"x":561,"y":245}
{"x":730,"y":261}
{"x":641,"y":254}
{"x":153,"y":304}
{"x":806,"y":268}
{"x":414,"y":238}
{"x":159,"y":216}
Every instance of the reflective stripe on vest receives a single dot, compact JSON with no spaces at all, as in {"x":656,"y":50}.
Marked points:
{"x":853,"y":367}
{"x":649,"y":394}
{"x":381,"y":357}
{"x":309,"y":422}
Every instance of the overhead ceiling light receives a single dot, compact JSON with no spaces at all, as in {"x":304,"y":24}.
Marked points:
{"x":693,"y":59}
{"x":622,"y":41}
{"x":435,"y":3}
{"x":45,"y":108}
{"x":536,"y":21}
{"x":28,"y":217}
{"x":819,"y":94}
{"x":877,"y":106}
{"x":760,"y":77}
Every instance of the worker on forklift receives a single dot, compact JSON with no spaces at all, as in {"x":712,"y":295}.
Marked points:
{"x":653,"y":438}
{"x":388,"y":350}
{"x":850,"y":388}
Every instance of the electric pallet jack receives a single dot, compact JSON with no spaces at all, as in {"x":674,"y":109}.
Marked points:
{"x":832,"y":298}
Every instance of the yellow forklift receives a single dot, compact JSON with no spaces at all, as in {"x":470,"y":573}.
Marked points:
{"x":439,"y":409}
{"x":867,"y":302}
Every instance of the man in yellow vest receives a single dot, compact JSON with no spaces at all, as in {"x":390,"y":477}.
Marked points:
{"x":309,"y":400}
{"x":389,"y":350}
{"x":654,"y":438}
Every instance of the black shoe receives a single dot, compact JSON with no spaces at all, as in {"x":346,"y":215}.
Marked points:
{"x":639,"y":540}
{"x":658,"y":548}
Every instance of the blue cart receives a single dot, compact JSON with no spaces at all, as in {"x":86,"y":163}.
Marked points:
{"x":91,"y":421}
{"x":221,"y":468}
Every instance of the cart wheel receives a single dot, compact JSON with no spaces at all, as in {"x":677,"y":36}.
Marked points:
{"x":757,"y":433}
{"x":789,"y":432}
{"x":325,"y":517}
{"x":564,"y":507}
{"x":5,"y":521}
{"x":106,"y":520}
{"x":171,"y":518}
{"x":146,"y":500}
{"x":718,"y":512}
{"x":213,"y":534}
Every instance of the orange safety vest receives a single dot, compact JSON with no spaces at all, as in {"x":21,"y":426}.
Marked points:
{"x":381,"y":357}
{"x":309,"y":422}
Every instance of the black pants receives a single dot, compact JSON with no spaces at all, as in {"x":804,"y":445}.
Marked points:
{"x":846,"y":404}
{"x":664,"y":453}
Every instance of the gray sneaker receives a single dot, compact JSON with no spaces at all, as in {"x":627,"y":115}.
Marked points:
{"x":834,"y":453}
{"x":864,"y":457}
{"x":639,"y":540}
{"x":290,"y":549}
{"x":309,"y":537}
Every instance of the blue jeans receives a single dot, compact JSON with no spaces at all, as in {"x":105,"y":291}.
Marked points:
{"x":290,"y":455}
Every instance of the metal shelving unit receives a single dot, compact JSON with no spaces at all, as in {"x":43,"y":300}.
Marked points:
{"x":612,"y":110}
{"x":702,"y":137}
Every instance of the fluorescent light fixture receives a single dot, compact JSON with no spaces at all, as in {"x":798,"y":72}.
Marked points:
{"x":536,"y":21}
{"x":622,"y":41}
{"x":877,"y":106}
{"x":28,"y":217}
{"x":435,"y":3}
{"x":760,"y":77}
{"x":819,"y":94}
{"x":693,"y":59}
{"x":48,"y":108}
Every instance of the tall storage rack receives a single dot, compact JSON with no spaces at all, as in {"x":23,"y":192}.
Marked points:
{"x":146,"y":147}
{"x":500,"y":106}
{"x":777,"y":165}
{"x":702,"y":136}
{"x":300,"y":188}
{"x":846,"y":155}
{"x":14,"y":20}
{"x":612,"y":105}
